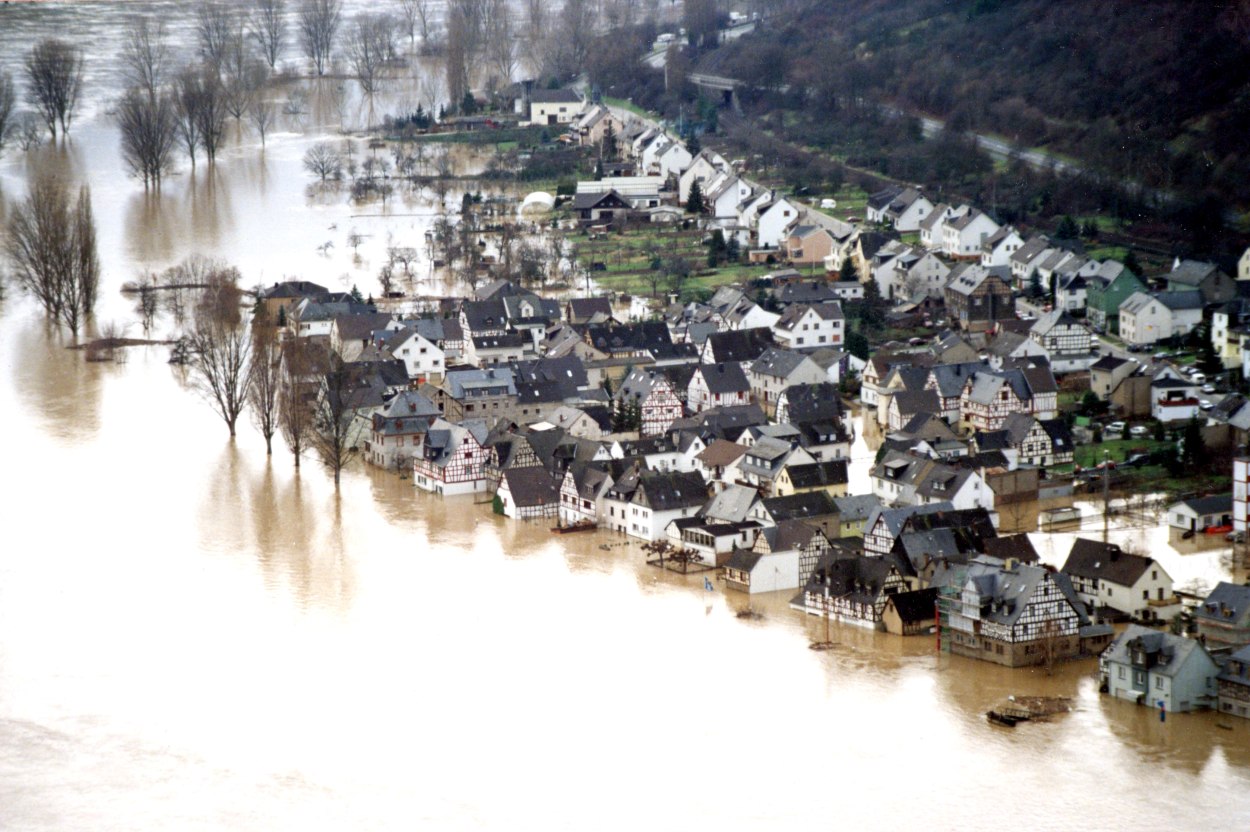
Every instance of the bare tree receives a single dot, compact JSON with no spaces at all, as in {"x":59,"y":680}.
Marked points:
{"x":410,"y":19}
{"x":29,"y":130}
{"x":51,"y":247}
{"x":318,"y":22}
{"x":147,"y":304}
{"x":145,"y":56}
{"x":262,"y":116}
{"x":576,"y":31}
{"x":536,"y":34}
{"x":149,"y":131}
{"x":368,"y":36}
{"x":209,"y":112}
{"x":295,"y":412}
{"x":242,"y":75}
{"x":335,"y":410}
{"x":220,"y":348}
{"x":8,"y":100}
{"x":266,"y":380}
{"x":500,"y":40}
{"x":188,"y":93}
{"x":54,"y":81}
{"x":457,"y":57}
{"x":268,"y":30}
{"x":323,"y":161}
{"x":215,"y":25}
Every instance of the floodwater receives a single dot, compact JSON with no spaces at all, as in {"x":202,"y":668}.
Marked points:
{"x":195,"y":637}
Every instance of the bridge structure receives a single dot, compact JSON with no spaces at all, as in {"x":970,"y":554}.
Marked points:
{"x":726,"y":88}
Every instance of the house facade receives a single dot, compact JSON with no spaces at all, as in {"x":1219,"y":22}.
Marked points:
{"x":1159,"y":670}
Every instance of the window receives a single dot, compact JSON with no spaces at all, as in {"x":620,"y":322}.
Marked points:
{"x":1145,"y":595}
{"x":1123,"y":673}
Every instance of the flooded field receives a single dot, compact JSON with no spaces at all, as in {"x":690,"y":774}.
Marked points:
{"x":195,"y":637}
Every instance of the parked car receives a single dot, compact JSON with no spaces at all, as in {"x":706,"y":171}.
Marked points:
{"x":1235,"y":537}
{"x":1203,"y":404}
{"x":1198,"y":378}
{"x":1138,"y":431}
{"x":1159,"y":356}
{"x":1116,"y":427}
{"x":1208,"y":388}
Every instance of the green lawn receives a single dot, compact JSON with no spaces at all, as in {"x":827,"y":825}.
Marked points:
{"x":1118,"y":450}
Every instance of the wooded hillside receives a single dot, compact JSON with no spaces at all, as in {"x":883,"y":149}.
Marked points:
{"x":1156,"y":91}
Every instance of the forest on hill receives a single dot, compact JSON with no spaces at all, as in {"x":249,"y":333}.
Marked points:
{"x":1150,"y":99}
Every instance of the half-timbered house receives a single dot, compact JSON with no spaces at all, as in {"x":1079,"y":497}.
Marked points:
{"x":1015,"y":615}
{"x":649,"y":394}
{"x":452,"y":458}
{"x":851,"y":589}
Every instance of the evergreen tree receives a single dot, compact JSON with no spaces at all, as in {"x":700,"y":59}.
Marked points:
{"x":1035,"y":285}
{"x":1131,"y":263}
{"x":857,"y":345}
{"x":356,"y":296}
{"x":1067,"y":229}
{"x":468,"y":104}
{"x":1193,"y":449}
{"x":716,"y":248}
{"x":282,"y":316}
{"x":849,"y":274}
{"x":694,"y":204}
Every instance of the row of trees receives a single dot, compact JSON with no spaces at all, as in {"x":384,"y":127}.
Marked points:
{"x":294,"y":389}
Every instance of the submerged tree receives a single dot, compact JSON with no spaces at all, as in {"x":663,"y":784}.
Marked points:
{"x":265,"y":389}
{"x":145,"y":56}
{"x":368,"y":45}
{"x":266,"y":27}
{"x":335,"y":411}
{"x":54,"y":71}
{"x":149,"y":131}
{"x":51,"y":248}
{"x":220,"y":347}
{"x":295,"y":413}
{"x":318,"y":23}
{"x":8,"y":100}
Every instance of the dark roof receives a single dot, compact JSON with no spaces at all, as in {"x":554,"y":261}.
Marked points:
{"x":586,"y":308}
{"x":813,"y":402}
{"x":740,"y":344}
{"x":533,"y":486}
{"x":725,"y":377}
{"x":1214,"y":504}
{"x":484,"y":314}
{"x":818,"y":474}
{"x":915,"y":607}
{"x":800,"y":506}
{"x":560,"y":96}
{"x":1226,"y":597}
{"x":1105,"y":561}
{"x":1108,"y":363}
{"x":667,"y":491}
{"x":1016,"y":546}
{"x":917,"y":401}
{"x":294,"y":289}
{"x":610,"y":199}
{"x":648,"y":336}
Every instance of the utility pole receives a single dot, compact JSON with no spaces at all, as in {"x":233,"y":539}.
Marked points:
{"x":1106,"y":493}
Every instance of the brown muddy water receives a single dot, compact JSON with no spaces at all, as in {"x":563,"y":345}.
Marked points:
{"x":195,"y":637}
